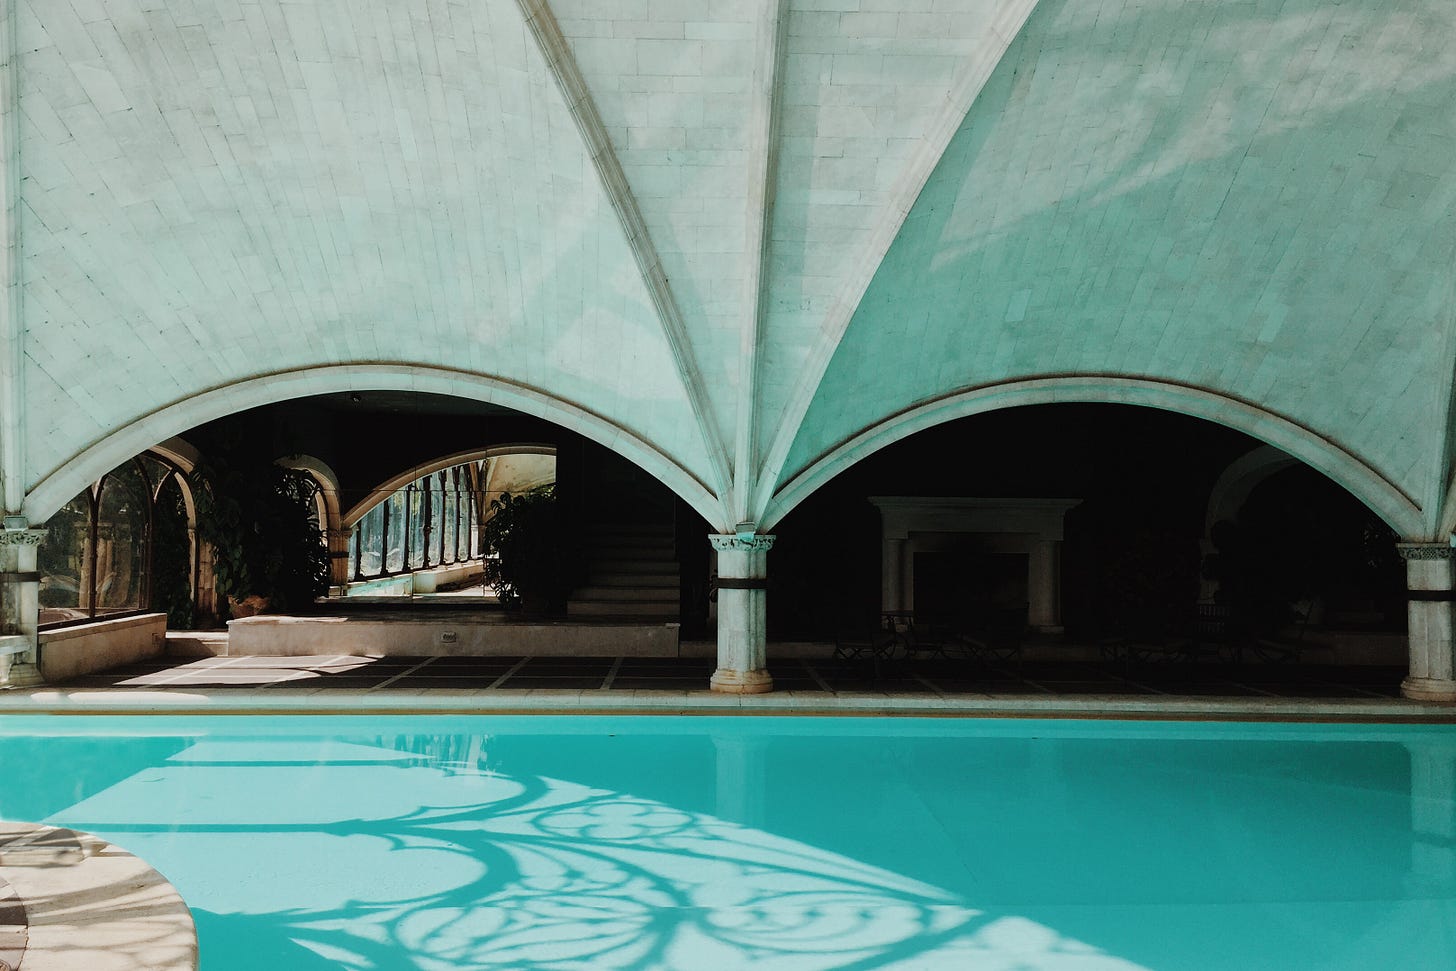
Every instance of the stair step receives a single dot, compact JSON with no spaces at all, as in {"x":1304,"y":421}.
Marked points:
{"x":632,"y":566}
{"x":633,"y":529}
{"x":615,"y":532}
{"x":617,"y":554}
{"x":617,"y":578}
{"x":620,"y":608}
{"x":636,"y":591}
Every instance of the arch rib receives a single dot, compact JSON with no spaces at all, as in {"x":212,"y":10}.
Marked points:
{"x":1243,"y":475}
{"x":56,"y":487}
{"x":562,"y":65}
{"x":12,"y":307}
{"x":1327,"y":456}
{"x":1003,"y":30}
{"x":763,"y":154}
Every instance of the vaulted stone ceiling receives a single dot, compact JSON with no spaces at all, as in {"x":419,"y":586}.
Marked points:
{"x":743,"y":241}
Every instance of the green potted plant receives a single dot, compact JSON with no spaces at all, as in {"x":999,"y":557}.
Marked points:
{"x":268,"y":548}
{"x":522,"y":542}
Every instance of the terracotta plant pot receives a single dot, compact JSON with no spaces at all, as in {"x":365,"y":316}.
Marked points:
{"x":248,"y":606}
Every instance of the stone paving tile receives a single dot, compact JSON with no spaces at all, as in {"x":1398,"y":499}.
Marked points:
{"x":221,"y":681}
{"x":339,"y":681}
{"x":468,"y":684}
{"x":675,"y":684}
{"x":570,"y":662}
{"x":657,"y":679}
{"x":1317,"y":691}
{"x":457,"y":674}
{"x":678,"y":668}
{"x":1094,"y":687}
{"x":520,"y":681}
{"x":439,"y":665}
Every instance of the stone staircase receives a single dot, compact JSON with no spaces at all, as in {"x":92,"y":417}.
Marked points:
{"x":632,"y":572}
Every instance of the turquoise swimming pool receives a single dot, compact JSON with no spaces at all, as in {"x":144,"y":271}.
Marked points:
{"x":780,"y":844}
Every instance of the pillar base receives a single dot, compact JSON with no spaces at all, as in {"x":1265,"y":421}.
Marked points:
{"x":23,"y":674}
{"x":741,"y":682}
{"x":1428,"y":689}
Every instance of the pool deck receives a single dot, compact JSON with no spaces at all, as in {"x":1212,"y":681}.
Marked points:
{"x":465,"y":685}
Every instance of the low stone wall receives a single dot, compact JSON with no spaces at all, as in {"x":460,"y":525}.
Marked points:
{"x":69,"y":652}
{"x":275,"y":635}
{"x":383,"y":587}
{"x":428,"y":581}
{"x":421,"y":581}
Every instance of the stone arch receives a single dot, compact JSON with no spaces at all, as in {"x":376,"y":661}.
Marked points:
{"x":328,"y":483}
{"x":60,"y":484}
{"x":404,"y":478}
{"x":1239,"y":480}
{"x":335,"y":536}
{"x":184,"y":456}
{"x":1351,"y":472}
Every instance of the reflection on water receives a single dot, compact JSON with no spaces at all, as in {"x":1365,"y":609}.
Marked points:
{"x":777,"y":844}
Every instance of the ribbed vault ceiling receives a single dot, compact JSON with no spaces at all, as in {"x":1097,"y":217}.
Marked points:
{"x":741,"y":233}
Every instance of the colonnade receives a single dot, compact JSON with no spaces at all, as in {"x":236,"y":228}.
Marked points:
{"x":742,"y":602}
{"x":742,"y":605}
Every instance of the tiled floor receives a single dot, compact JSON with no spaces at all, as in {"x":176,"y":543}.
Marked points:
{"x":945,"y":678}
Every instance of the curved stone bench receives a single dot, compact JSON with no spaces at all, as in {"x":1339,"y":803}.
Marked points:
{"x":70,"y":901}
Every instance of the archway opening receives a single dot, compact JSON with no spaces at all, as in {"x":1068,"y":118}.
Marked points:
{"x":944,"y":524}
{"x":120,"y":547}
{"x":394,"y":484}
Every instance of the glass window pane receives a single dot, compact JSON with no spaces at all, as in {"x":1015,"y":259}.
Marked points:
{"x":64,"y":563}
{"x":171,"y":557}
{"x":371,"y":532}
{"x":452,"y":513}
{"x":157,"y":470}
{"x":437,"y":519}
{"x":394,"y":559}
{"x":417,"y":527}
{"x":121,"y":539}
{"x":474,"y":526}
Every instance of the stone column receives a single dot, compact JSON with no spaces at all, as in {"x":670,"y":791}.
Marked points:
{"x":204,"y":595}
{"x":20,"y":597}
{"x":892,"y":570}
{"x":1428,"y":570}
{"x":1043,"y":586}
{"x":742,"y":603}
{"x":340,"y":566}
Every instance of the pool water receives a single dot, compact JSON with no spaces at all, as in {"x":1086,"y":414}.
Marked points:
{"x":778,"y":844}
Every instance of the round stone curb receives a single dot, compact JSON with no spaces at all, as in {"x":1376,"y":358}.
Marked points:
{"x":13,"y":928}
{"x":84,"y":904}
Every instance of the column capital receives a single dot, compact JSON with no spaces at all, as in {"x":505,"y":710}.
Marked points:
{"x":25,"y":536}
{"x":1426,"y":551}
{"x":760,"y":543}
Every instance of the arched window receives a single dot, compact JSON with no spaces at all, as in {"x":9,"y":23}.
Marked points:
{"x":428,"y":523}
{"x":100,"y":552}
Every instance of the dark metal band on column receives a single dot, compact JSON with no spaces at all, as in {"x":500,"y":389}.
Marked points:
{"x":1436,"y":596}
{"x":14,"y":577}
{"x":742,"y":583}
